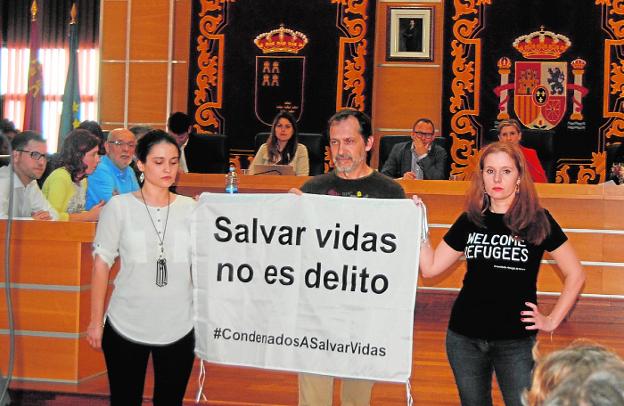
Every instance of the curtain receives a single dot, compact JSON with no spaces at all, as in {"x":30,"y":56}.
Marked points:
{"x":54,"y":17}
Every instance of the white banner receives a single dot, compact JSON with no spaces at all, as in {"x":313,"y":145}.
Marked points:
{"x":308,"y":283}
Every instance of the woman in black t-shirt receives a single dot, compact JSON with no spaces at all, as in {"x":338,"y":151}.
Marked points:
{"x":503,"y":234}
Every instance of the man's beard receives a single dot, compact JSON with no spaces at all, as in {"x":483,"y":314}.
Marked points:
{"x":354,"y":165}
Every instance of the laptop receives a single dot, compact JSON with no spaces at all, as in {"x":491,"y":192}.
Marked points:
{"x":274,"y":170}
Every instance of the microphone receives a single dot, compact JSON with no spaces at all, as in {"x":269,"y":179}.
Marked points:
{"x":269,"y":171}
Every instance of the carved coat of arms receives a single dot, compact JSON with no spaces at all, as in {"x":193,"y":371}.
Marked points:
{"x":280,"y":74}
{"x":541,"y":84}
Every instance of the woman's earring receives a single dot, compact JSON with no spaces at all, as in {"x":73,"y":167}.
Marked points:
{"x":141,"y":177}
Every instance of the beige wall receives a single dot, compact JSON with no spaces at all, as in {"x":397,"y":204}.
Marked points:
{"x":144,"y":61}
{"x":402,"y":91}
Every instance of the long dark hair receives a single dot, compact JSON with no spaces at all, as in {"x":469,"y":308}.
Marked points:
{"x":525,"y":218}
{"x":94,"y":128}
{"x":151,"y":138}
{"x":75,"y":147}
{"x":291,"y":146}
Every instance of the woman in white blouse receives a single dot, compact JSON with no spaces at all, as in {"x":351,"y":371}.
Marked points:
{"x":283,"y":147}
{"x":150,"y":307}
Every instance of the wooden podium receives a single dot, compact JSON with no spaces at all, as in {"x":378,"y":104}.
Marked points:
{"x":50,"y":287}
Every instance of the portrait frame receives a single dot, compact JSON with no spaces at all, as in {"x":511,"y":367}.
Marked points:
{"x":409,"y":34}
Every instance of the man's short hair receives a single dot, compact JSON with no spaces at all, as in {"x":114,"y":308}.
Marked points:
{"x":179,"y":123}
{"x":94,"y":128}
{"x":22,"y":139}
{"x":7,"y":126}
{"x":362,"y":118}
{"x":424,"y":120}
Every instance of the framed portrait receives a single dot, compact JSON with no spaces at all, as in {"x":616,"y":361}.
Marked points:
{"x":409,"y":34}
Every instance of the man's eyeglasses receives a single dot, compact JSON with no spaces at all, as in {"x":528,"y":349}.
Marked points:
{"x":34,"y":154}
{"x":122,"y":144}
{"x":424,"y":135}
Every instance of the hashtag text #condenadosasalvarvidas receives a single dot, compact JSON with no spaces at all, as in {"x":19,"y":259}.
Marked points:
{"x":313,"y":343}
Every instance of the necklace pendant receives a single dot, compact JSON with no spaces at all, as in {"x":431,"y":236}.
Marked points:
{"x":161,"y":272}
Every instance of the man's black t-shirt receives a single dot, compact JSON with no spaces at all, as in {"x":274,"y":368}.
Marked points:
{"x":375,"y":185}
{"x":501,"y":276}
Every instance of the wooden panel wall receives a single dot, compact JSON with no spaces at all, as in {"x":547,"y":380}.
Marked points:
{"x":405,"y":91}
{"x":135,"y":58}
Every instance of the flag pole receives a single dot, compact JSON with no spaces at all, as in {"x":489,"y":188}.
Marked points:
{"x":70,"y":113}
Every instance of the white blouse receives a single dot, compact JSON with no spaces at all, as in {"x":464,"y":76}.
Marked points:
{"x":139,"y":309}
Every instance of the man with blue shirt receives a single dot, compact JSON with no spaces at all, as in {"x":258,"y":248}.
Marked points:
{"x":113,"y":175}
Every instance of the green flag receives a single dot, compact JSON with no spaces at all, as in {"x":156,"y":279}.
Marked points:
{"x":70,"y":116}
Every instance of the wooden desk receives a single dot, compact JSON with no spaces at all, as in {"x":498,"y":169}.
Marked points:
{"x":590,"y":214}
{"x":50,"y":287}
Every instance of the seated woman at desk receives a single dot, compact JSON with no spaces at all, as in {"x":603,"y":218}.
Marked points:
{"x":66,"y":187}
{"x":282,"y":147}
{"x":509,"y":131}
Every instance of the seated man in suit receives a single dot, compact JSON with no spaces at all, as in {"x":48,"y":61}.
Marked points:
{"x":113,"y":174}
{"x":29,"y":162}
{"x":179,"y":126}
{"x":509,"y":131}
{"x":418,"y":159}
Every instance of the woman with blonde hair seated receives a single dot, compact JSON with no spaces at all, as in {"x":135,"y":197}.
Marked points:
{"x":66,"y":187}
{"x":283,"y":147}
{"x":509,"y":131}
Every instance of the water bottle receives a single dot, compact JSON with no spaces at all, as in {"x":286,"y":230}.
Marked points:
{"x":231,"y":181}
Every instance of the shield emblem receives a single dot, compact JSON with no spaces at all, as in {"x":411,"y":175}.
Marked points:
{"x":279,"y":86}
{"x":540,"y":93}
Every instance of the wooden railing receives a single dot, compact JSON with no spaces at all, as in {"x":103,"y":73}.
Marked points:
{"x":590,"y":214}
{"x":51,"y":264}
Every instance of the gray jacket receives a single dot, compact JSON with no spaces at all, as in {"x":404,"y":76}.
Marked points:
{"x":400,"y":161}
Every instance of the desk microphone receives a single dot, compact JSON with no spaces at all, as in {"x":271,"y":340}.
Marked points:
{"x":269,"y":171}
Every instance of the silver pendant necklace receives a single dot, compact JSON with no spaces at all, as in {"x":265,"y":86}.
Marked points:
{"x":161,"y":262}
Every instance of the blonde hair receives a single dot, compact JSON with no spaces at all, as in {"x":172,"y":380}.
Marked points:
{"x":581,"y":358}
{"x":509,"y":123}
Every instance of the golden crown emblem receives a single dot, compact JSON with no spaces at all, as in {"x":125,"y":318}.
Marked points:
{"x":281,"y":40}
{"x":542,"y":45}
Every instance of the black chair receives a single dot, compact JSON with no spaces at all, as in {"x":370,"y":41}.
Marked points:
{"x":543,"y":142}
{"x":314,"y":142}
{"x":207,"y":153}
{"x":386,"y":143}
